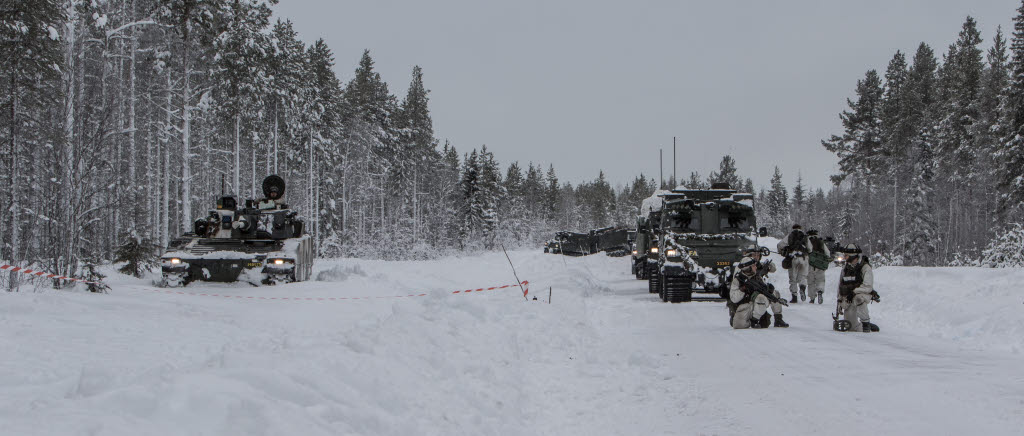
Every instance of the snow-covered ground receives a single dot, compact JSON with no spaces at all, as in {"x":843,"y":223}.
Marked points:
{"x":605,"y":357}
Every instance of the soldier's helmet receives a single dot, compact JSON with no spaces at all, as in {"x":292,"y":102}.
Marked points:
{"x":812,"y":232}
{"x":852,"y":249}
{"x":273,"y":187}
{"x":747,"y":264}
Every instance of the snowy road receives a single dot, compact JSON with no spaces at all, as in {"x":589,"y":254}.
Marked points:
{"x":605,"y":357}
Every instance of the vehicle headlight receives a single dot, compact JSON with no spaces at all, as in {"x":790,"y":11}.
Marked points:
{"x":175,"y":261}
{"x":278,"y":261}
{"x":634,"y":252}
{"x":671,"y":253}
{"x":654,"y":250}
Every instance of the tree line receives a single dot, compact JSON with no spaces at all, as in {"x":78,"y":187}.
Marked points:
{"x":123,"y":120}
{"x":932,"y":154}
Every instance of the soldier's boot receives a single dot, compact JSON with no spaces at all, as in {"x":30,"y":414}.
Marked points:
{"x":766,"y":321}
{"x":819,"y":296}
{"x":803,"y":293}
{"x":793,"y":300}
{"x":869,"y":327}
{"x":779,"y":322}
{"x":755,"y":323}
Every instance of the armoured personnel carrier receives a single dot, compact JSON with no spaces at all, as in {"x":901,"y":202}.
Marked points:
{"x":703,"y":233}
{"x":261,"y":242}
{"x":611,"y":240}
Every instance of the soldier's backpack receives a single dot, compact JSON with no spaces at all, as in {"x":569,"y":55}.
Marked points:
{"x":817,"y":258}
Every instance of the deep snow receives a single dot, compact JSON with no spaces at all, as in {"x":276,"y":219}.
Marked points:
{"x":605,"y":357}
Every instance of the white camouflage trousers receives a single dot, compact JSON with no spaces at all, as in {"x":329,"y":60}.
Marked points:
{"x":755,"y":309}
{"x":798,"y":274}
{"x":857,"y":311}
{"x":815,"y":282}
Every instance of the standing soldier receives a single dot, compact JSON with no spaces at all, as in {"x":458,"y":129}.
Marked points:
{"x":795,"y":247}
{"x":856,"y":290}
{"x":819,"y":259}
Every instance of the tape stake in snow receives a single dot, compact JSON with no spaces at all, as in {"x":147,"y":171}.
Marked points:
{"x":44,"y":274}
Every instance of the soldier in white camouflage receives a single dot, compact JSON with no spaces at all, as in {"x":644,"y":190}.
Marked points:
{"x":816,"y":276}
{"x":795,"y":248}
{"x":856,"y":290}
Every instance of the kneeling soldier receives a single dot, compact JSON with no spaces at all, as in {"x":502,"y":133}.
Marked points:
{"x":750,"y":295}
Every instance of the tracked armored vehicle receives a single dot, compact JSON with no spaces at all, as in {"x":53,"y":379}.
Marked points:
{"x":703,"y":234}
{"x":260,"y":242}
{"x":611,"y":240}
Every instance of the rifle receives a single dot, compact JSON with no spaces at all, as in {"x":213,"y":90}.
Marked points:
{"x":760,"y":287}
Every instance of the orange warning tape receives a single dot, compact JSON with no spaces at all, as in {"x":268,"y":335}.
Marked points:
{"x":43,"y":274}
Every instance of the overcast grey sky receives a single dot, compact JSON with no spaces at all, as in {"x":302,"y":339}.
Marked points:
{"x":589,"y":84}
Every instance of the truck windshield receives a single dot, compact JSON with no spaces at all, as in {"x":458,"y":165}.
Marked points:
{"x":729,"y":223}
{"x":683,"y":221}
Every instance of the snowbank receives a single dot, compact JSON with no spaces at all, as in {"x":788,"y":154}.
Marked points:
{"x":605,"y":357}
{"x":977,"y":308}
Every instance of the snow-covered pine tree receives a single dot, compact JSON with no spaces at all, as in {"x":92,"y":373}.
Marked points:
{"x":31,"y":49}
{"x":726,"y":173}
{"x":1011,"y":154}
{"x":552,"y":195}
{"x":1005,"y":250}
{"x":513,"y":225}
{"x":696,"y":182}
{"x":920,"y":238}
{"x":860,"y":145}
{"x":490,"y":194}
{"x":798,"y":205}
{"x":897,"y":133}
{"x":776,"y":207}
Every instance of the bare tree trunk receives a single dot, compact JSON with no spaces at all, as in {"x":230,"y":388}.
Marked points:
{"x":235,"y":186}
{"x":165,"y":213}
{"x":133,"y":189}
{"x":12,"y":175}
{"x":275,"y":139}
{"x":69,"y":223}
{"x":186,"y":139}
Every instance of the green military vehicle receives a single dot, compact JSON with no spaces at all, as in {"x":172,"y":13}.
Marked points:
{"x":641,"y":246}
{"x":703,"y":233}
{"x":647,"y":245}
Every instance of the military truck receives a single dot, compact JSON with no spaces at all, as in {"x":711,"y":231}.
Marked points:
{"x":641,"y":246}
{"x":650,"y":215}
{"x":703,"y":234}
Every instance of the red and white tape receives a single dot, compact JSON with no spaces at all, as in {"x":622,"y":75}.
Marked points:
{"x":44,"y":274}
{"x":525,"y":286}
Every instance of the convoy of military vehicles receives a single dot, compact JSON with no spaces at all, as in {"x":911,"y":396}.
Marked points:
{"x":686,"y":242}
{"x":613,"y":241}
